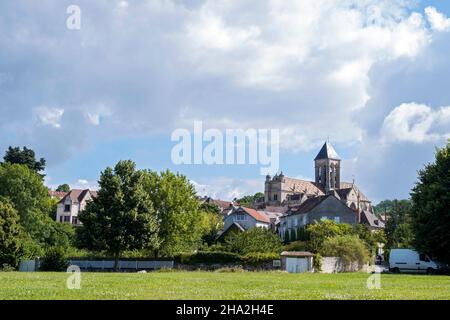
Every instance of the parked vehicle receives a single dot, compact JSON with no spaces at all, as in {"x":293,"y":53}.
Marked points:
{"x":408,"y":260}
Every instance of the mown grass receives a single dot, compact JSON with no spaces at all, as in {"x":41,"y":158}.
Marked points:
{"x":214,"y":285}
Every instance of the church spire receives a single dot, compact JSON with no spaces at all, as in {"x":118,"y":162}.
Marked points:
{"x":328,"y":168}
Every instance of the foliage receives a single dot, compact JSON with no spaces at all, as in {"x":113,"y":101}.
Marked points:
{"x":208,"y":257}
{"x":302,"y":234}
{"x":122,"y":216}
{"x":430,"y":211}
{"x":11,"y":235}
{"x":55,"y":259}
{"x":178,"y":212}
{"x":25,"y":157}
{"x":248,"y":201}
{"x":258,"y":258}
{"x":7,"y":268}
{"x":370,"y":238}
{"x":63,"y":188}
{"x":212,"y":224}
{"x":296,"y":246}
{"x":317,"y":262}
{"x":254,"y":240}
{"x":210,"y":208}
{"x":319,"y":232}
{"x":399,"y":233}
{"x":349,"y":248}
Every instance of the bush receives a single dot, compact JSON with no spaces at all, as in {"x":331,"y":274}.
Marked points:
{"x":258,"y":258}
{"x":350,"y":249}
{"x":296,"y":246}
{"x":254,"y":240}
{"x":7,"y":268}
{"x":317,"y":262}
{"x":207,"y":257}
{"x":55,"y":259}
{"x":230,"y":269}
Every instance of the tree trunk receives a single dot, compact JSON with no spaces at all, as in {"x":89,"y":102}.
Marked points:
{"x":116,"y":261}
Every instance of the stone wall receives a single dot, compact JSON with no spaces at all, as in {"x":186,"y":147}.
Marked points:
{"x":335,"y":265}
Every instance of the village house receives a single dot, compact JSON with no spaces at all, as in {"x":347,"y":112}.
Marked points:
{"x":72,"y":204}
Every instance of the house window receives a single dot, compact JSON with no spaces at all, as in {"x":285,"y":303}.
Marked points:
{"x":337,"y":219}
{"x":275,"y":197}
{"x":304,"y":219}
{"x":61,"y":219}
{"x":241,"y":217}
{"x":74,"y":220}
{"x":67,"y":219}
{"x":295,"y":222}
{"x":67,"y":208}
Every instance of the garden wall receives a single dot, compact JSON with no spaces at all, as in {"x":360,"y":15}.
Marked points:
{"x":334,"y":265}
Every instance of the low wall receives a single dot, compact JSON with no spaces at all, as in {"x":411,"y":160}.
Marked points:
{"x":335,"y":265}
{"x":123,"y":264}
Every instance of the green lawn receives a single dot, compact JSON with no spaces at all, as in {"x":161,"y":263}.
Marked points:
{"x":213,"y":285}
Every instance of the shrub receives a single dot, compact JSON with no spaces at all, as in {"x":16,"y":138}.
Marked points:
{"x":296,"y":246}
{"x":319,"y":232}
{"x":317,"y":262}
{"x":207,"y":257}
{"x":7,"y":268}
{"x":350,"y":249}
{"x":230,"y":269}
{"x":54,"y":260}
{"x":254,"y":240}
{"x":258,"y":258}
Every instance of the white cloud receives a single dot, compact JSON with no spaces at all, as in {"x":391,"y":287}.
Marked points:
{"x":438,"y":21}
{"x":49,"y":116}
{"x":228,"y":188}
{"x":416,"y":123}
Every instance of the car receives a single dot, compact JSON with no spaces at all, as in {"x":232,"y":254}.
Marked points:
{"x":411,"y":261}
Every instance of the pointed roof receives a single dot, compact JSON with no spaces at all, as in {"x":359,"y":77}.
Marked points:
{"x":327,"y":152}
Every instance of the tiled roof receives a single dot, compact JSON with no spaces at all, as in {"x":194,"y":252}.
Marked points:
{"x":77,"y":195}
{"x":307,"y":206}
{"x":327,"y":152}
{"x":372,"y":220}
{"x":56,"y":194}
{"x":302,"y":186}
{"x":258,"y":215}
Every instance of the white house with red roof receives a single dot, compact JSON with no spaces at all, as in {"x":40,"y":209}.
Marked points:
{"x":72,"y":204}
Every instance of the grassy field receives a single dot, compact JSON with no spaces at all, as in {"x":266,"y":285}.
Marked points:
{"x":213,"y":285}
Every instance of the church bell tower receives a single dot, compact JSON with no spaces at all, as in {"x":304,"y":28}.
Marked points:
{"x":328,"y":168}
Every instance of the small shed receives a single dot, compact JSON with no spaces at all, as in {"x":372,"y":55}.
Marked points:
{"x":297,"y":261}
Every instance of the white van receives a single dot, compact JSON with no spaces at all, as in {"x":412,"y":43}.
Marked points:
{"x":408,"y":260}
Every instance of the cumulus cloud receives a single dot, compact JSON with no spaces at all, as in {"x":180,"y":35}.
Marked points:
{"x":417,"y":123}
{"x":438,"y":21}
{"x":226,"y":188}
{"x":49,"y":116}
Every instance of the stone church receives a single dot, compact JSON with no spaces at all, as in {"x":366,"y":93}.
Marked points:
{"x":327,"y":197}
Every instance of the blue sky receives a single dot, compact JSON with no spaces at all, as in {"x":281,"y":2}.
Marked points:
{"x":370,"y":75}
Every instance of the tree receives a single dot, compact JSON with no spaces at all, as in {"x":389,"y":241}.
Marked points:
{"x":248,"y":201}
{"x":26,"y":192}
{"x":212,"y":224}
{"x":26,"y":157}
{"x":122,"y":216}
{"x":430,"y":210}
{"x":63,"y":188}
{"x":318,"y":232}
{"x":174,"y":199}
{"x":349,"y":248}
{"x":11,"y":235}
{"x":370,"y":238}
{"x":254,"y":240}
{"x":399,"y":232}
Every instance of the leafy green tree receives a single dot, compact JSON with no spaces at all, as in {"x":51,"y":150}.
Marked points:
{"x":349,"y":248}
{"x":370,"y":238}
{"x":11,"y":235}
{"x":431,"y":206}
{"x":248,"y":201}
{"x":254,"y":240}
{"x":174,"y":199}
{"x":122,"y":216}
{"x":210,"y":208}
{"x":211,"y":224}
{"x":318,"y":232}
{"x":26,"y":157}
{"x":399,"y":232}
{"x":63,"y":188}
{"x":26,"y":192}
